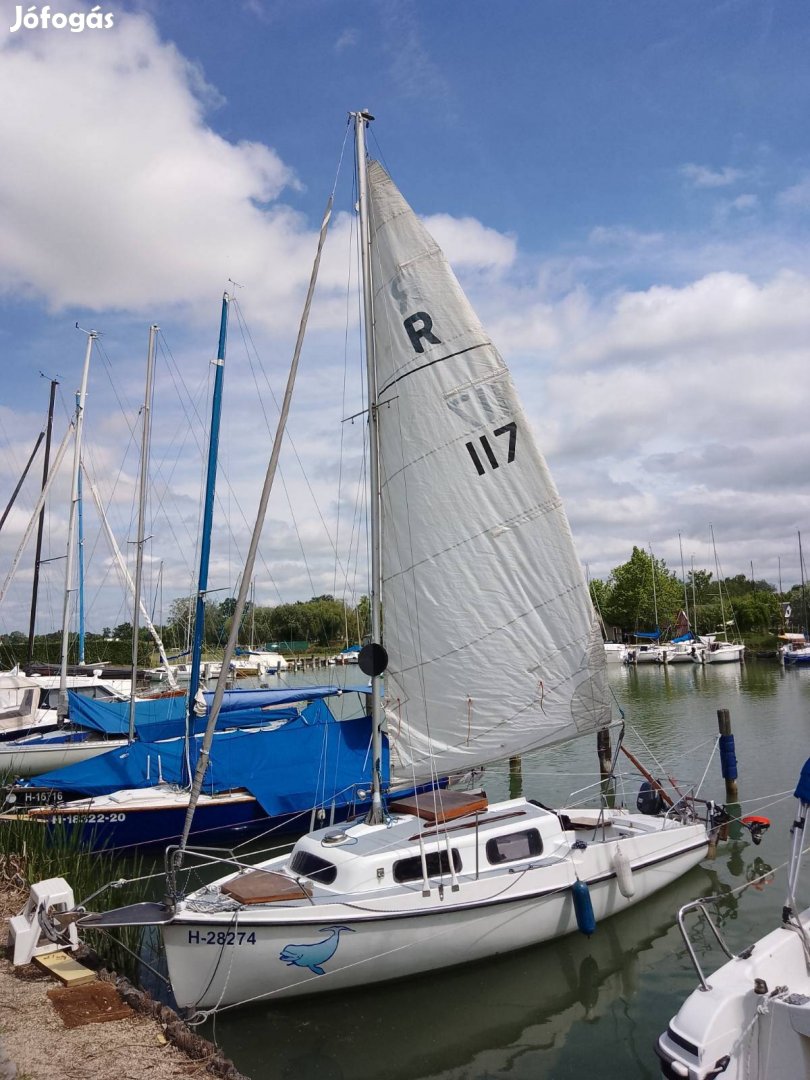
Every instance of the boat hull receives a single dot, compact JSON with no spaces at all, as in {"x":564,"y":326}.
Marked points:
{"x":725,"y":654}
{"x":29,"y":760}
{"x":764,"y":1035}
{"x":236,"y":957}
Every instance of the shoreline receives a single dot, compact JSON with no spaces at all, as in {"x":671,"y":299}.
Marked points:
{"x":151,"y":1043}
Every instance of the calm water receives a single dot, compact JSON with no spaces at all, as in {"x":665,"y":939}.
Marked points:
{"x":577,"y":1007}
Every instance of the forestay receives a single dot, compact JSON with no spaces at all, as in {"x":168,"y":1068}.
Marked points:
{"x":493,"y":642}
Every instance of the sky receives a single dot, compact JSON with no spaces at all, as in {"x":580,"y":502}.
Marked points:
{"x":623,"y":190}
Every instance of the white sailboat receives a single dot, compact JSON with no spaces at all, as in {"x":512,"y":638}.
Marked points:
{"x":492,"y":649}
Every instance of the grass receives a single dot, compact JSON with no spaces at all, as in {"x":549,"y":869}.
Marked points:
{"x":33,"y":852}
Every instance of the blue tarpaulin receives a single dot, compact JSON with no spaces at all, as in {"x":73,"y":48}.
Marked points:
{"x":313,"y":760}
{"x":651,"y":635}
{"x":161,"y":718}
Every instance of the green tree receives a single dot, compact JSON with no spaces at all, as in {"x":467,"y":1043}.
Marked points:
{"x":632,"y":602}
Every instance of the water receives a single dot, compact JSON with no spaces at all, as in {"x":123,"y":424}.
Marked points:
{"x":577,"y":1007}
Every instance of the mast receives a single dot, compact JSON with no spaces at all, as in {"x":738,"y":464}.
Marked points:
{"x":804,"y":597}
{"x":655,"y":597}
{"x":361,"y":119}
{"x":139,"y":542}
{"x":250,"y":562}
{"x":62,"y":703}
{"x":80,"y":512}
{"x":208,"y":512}
{"x":21,"y":481}
{"x":40,"y":529}
{"x":719,"y":584}
{"x":683,"y":580}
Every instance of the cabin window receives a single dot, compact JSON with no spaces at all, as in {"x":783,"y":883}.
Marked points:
{"x":437,"y":864}
{"x":514,"y":846}
{"x":311,"y":866}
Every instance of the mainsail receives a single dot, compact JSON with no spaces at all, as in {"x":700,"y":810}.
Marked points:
{"x":494,"y":648}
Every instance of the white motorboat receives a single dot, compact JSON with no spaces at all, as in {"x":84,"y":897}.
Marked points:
{"x":749,"y":1019}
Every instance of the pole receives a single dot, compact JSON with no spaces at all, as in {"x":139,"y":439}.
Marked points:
{"x":80,"y":513}
{"x":604,"y":751}
{"x":144,"y":478}
{"x":208,"y":512}
{"x":361,"y":119}
{"x":41,"y":528}
{"x":61,"y":707}
{"x":728,"y":757}
{"x":264,"y":498}
{"x":515,"y":777}
{"x":21,"y":481}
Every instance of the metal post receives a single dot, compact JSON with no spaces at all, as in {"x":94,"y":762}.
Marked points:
{"x":361,"y":119}
{"x":144,"y":478}
{"x":61,"y":707}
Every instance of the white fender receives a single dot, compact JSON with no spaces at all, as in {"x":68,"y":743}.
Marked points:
{"x":624,"y":873}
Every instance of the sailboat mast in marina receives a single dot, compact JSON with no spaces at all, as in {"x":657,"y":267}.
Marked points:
{"x":490,"y":648}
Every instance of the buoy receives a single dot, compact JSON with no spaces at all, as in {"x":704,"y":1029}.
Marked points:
{"x":583,"y":907}
{"x":624,"y":873}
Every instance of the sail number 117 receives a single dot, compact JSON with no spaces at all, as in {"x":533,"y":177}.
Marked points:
{"x":489,"y":453}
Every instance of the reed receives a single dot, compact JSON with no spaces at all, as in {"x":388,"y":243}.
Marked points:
{"x":37,"y":853}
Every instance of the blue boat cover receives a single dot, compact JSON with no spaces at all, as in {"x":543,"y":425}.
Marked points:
{"x":689,"y":636}
{"x":652,"y":635}
{"x":261,"y":699}
{"x":802,"y":791}
{"x":162,"y":718}
{"x":311,"y":761}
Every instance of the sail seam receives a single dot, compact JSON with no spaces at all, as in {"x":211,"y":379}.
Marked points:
{"x":430,"y":363}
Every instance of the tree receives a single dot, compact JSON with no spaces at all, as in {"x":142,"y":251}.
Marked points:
{"x":633,"y":603}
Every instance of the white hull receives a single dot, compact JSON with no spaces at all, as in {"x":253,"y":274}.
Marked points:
{"x":614,"y":652}
{"x":644,"y":654}
{"x":683,"y":653}
{"x":766,"y":1035}
{"x":234,"y":955}
{"x":35,"y":757}
{"x":723,"y":654}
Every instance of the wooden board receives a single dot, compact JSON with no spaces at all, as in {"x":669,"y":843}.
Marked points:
{"x":263,"y":887}
{"x":68,"y":971}
{"x":96,"y":1003}
{"x":440,"y":806}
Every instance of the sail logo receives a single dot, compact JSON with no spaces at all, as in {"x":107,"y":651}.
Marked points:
{"x":34,"y":18}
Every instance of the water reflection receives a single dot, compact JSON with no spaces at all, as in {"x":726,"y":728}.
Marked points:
{"x":578,"y":1007}
{"x":477,"y":1021}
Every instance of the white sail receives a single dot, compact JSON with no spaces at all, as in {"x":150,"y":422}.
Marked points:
{"x":493,"y":643}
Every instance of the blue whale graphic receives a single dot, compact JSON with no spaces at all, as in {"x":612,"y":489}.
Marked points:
{"x":314,"y":956}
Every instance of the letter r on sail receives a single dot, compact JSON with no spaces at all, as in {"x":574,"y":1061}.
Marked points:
{"x":418,"y":326}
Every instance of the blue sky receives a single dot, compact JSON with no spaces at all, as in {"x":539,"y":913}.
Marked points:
{"x":623,"y":188}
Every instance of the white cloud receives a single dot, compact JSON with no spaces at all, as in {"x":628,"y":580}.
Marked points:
{"x":702,"y":176}
{"x":348,"y":38}
{"x":470,"y":245}
{"x":796,"y":197}
{"x":125,"y":197}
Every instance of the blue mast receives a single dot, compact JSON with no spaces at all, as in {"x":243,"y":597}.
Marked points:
{"x":208,"y":512}
{"x":81,"y":559}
